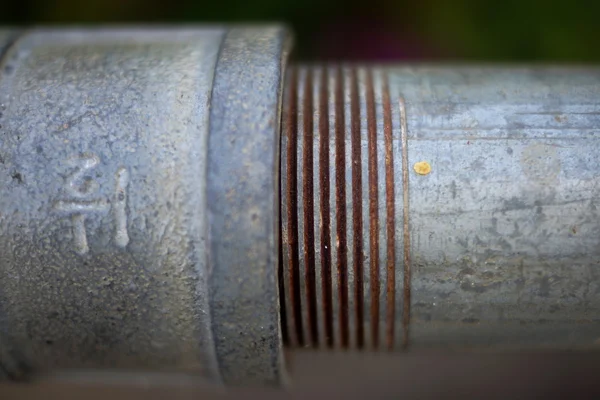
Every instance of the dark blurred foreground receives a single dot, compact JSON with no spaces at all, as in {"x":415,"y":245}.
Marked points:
{"x":355,"y":376}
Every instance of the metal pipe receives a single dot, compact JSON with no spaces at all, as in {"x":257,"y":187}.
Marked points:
{"x":140,"y":181}
{"x":137,"y":181}
{"x":441,"y":207}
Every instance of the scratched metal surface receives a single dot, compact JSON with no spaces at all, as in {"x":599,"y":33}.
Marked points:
{"x":503,"y":231}
{"x":102,"y":226}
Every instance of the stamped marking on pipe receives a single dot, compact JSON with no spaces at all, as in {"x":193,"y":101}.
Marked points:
{"x":79,"y":234}
{"x":422,"y":168}
{"x":120,"y":211}
{"x":80,"y":187}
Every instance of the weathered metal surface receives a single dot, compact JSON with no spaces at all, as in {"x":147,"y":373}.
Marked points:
{"x":492,"y":241}
{"x":108,"y":246}
{"x":139,"y":204}
{"x":243,"y":202}
{"x":103,"y":232}
{"x":505,"y":230}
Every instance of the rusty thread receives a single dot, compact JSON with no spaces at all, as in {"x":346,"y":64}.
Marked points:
{"x":340,"y":203}
{"x":329,"y":143}
{"x":325,"y":216}
{"x":308,"y":200}
{"x":373,"y":209}
{"x":406,"y":225}
{"x":292,"y":205}
{"x":357,"y":224}
{"x":390,"y":210}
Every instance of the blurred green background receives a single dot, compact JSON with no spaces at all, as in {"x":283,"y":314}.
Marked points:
{"x":509,"y":30}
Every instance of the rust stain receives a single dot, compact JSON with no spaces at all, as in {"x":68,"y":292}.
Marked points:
{"x":390,"y":209}
{"x":292,"y":205}
{"x":560,"y":118}
{"x":325,"y":216}
{"x":422,"y":168}
{"x":357,"y":224}
{"x":373,"y":209}
{"x":340,"y":202}
{"x":406,"y":225}
{"x":308,"y":203}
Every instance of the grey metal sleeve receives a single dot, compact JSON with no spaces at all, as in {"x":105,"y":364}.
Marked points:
{"x":108,"y":141}
{"x":243,"y":203}
{"x":103,"y":242}
{"x":441,"y":207}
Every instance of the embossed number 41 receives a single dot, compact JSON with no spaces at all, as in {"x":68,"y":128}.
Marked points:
{"x":81,"y":202}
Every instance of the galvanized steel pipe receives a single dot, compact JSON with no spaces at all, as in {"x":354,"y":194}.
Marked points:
{"x":441,"y":207}
{"x":142,"y":181}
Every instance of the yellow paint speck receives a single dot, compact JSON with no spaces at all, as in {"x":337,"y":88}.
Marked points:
{"x":422,"y":168}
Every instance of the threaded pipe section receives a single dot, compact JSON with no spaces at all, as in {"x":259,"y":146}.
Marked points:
{"x":342,"y":210}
